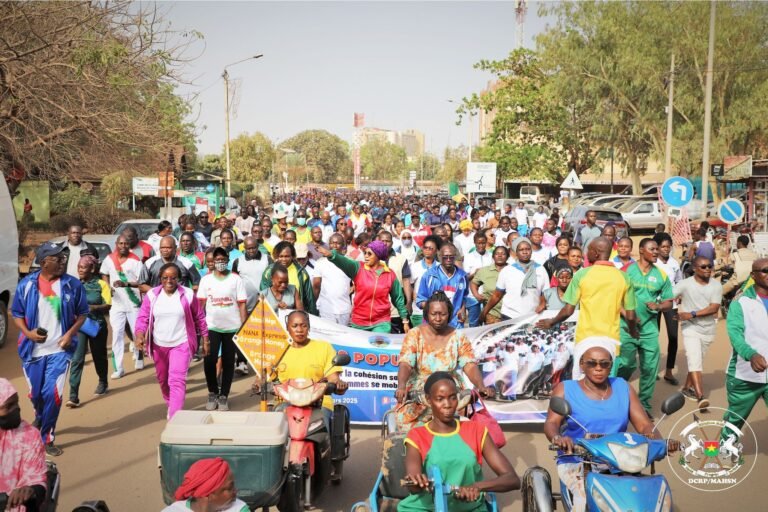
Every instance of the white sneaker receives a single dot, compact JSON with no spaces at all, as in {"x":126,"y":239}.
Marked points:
{"x":132,"y":349}
{"x":118,"y":374}
{"x":242,"y":368}
{"x":139,"y":364}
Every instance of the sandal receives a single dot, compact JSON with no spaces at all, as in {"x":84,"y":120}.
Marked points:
{"x":671,"y":380}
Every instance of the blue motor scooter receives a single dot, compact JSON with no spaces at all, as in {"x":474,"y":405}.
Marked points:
{"x":613,"y":466}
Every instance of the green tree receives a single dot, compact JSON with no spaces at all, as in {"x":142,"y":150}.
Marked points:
{"x":427,"y":166}
{"x":454,"y":164}
{"x":115,"y":187}
{"x":327,"y":155}
{"x":211,"y":164}
{"x":70,"y":198}
{"x":250,"y":157}
{"x":537,"y":131}
{"x":382,"y":160}
{"x":616,"y":56}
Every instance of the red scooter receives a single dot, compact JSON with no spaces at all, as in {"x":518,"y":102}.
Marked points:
{"x":316,"y":451}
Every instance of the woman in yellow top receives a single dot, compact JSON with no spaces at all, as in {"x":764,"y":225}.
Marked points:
{"x":308,"y":359}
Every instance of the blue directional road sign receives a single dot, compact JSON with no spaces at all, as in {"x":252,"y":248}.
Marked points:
{"x":677,"y":192}
{"x":731,"y":211}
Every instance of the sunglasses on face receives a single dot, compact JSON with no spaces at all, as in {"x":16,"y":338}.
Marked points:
{"x":369,"y":253}
{"x":448,"y":257}
{"x":763,"y":270}
{"x":704,"y":267}
{"x":602,"y":364}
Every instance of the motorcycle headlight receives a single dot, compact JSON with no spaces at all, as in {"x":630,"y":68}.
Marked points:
{"x":600,"y":501}
{"x":630,"y":460}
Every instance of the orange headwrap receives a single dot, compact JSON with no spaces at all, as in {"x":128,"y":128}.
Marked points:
{"x":203,"y":478}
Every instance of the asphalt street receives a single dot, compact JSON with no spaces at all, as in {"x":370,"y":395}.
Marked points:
{"x":110,"y":442}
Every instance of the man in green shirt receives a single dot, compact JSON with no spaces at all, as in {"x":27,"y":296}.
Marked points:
{"x":653,"y":294}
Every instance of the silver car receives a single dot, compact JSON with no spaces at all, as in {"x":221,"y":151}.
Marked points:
{"x":642,"y":214}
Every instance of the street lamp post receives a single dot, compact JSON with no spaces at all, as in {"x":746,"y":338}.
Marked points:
{"x":225,"y":76}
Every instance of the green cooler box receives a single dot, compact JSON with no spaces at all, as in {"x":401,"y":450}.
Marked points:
{"x":253,"y":443}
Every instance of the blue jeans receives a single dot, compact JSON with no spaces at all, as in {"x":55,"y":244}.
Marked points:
{"x":473,"y":314}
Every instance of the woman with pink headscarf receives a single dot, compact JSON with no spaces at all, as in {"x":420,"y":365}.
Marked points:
{"x":375,"y":285}
{"x":99,"y":297}
{"x":22,"y":471}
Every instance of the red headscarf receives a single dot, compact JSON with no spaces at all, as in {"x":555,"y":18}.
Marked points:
{"x":203,"y":478}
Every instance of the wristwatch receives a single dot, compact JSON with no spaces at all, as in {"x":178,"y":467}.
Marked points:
{"x":693,"y":314}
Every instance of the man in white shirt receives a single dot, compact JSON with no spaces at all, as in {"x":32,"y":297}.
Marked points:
{"x":520,"y":284}
{"x":332,"y":286}
{"x":540,"y":218}
{"x":125,"y":272}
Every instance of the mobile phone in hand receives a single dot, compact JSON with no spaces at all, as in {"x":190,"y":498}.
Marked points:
{"x":42,"y":332}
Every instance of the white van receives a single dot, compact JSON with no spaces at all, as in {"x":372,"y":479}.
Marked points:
{"x":533,"y":193}
{"x":9,"y":258}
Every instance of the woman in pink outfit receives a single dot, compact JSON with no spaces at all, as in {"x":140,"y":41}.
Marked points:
{"x":168,"y":323}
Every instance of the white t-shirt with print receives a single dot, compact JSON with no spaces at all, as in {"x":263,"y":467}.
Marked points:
{"x":222,"y":296}
{"x":135,"y":271}
{"x":49,"y":318}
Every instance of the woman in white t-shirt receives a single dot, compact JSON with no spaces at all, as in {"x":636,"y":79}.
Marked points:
{"x":222,"y":294}
{"x":168,"y":322}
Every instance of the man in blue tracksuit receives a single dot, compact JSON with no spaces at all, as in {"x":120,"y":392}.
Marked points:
{"x":49,"y":308}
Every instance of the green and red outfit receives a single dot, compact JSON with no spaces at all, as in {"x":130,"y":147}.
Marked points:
{"x":458,"y":455}
{"x":653,"y":286}
{"x":374,"y":288}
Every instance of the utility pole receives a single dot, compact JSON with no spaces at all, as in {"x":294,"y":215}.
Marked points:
{"x":668,"y":149}
{"x":225,"y":76}
{"x":708,"y":110}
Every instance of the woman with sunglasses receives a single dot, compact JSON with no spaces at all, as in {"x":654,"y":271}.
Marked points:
{"x":602,"y":404}
{"x":375,"y":285}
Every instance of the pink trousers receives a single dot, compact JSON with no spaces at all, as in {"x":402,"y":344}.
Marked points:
{"x":171,"y":366}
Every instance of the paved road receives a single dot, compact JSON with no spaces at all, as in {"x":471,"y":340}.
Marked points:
{"x":110,"y":443}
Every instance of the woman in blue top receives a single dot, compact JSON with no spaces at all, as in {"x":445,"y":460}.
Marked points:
{"x":602,"y":404}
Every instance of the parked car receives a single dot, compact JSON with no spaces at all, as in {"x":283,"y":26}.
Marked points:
{"x":601,"y":200}
{"x":651,"y":190}
{"x":9,"y":258}
{"x":642,"y":214}
{"x":534,"y":193}
{"x":144,"y":227}
{"x":576,"y":218}
{"x":104,"y":245}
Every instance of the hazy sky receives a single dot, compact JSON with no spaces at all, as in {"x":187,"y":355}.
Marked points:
{"x":397,"y":62}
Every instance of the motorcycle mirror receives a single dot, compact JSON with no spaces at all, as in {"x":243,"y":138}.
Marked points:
{"x":673,"y":403}
{"x":560,"y":405}
{"x":341,"y":360}
{"x":330,"y":388}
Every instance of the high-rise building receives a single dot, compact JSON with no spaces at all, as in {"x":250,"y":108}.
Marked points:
{"x":412,"y":141}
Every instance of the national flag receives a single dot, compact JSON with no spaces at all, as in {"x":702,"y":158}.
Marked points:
{"x":711,"y":448}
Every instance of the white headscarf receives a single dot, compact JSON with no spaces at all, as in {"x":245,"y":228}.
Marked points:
{"x":609,"y":344}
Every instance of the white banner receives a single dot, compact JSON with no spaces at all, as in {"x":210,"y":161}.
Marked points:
{"x":523,"y":375}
